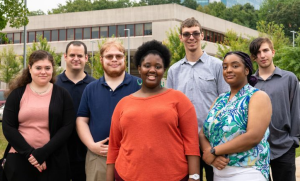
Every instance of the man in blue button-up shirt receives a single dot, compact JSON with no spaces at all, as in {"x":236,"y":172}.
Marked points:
{"x":198,"y":75}
{"x":97,"y":105}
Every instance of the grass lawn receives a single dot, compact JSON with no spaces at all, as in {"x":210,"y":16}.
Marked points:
{"x":3,"y":142}
{"x":298,"y":152}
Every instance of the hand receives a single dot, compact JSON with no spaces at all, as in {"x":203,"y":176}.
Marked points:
{"x":208,"y":157}
{"x":35,"y":163}
{"x":190,"y":179}
{"x":100,"y":148}
{"x":220,"y":162}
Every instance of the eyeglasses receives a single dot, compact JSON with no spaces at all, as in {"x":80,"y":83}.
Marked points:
{"x":188,"y":35}
{"x":110,"y":57}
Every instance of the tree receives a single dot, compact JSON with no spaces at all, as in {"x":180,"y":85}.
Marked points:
{"x":13,"y":12}
{"x":10,"y":64}
{"x":175,"y":46}
{"x":36,"y":13}
{"x":43,"y":45}
{"x":190,"y":4}
{"x":285,"y":12}
{"x":244,"y":15}
{"x":233,"y":42}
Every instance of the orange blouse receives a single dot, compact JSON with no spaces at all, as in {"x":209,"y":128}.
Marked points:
{"x":150,"y":137}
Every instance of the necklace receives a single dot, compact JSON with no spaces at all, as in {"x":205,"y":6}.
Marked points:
{"x":37,"y":91}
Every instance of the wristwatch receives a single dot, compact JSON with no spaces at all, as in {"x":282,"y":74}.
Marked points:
{"x":194,"y":176}
{"x":213,"y":151}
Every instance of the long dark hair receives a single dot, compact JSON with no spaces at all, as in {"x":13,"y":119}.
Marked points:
{"x":24,"y":77}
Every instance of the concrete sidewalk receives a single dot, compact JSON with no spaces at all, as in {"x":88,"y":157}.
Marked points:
{"x":298,"y":168}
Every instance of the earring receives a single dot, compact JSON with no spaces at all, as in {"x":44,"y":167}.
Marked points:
{"x":139,"y":83}
{"x":162,"y":84}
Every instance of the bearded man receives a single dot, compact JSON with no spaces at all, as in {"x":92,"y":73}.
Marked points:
{"x":97,"y":105}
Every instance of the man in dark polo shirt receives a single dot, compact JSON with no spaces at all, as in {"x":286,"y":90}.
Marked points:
{"x":283,"y":88}
{"x":97,"y":105}
{"x":74,"y":80}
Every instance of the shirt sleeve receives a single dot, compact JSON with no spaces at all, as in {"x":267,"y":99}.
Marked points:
{"x":295,"y":111}
{"x":115,"y":136}
{"x":170,"y":83}
{"x":188,"y":125}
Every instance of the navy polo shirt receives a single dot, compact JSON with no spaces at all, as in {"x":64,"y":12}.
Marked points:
{"x":99,"y":101}
{"x":75,"y":90}
{"x":77,"y":150}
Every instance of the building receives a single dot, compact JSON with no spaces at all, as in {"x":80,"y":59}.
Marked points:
{"x":145,"y":23}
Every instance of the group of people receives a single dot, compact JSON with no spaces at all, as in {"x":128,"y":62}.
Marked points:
{"x":121,"y":127}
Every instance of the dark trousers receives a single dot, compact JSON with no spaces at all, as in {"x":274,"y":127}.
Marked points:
{"x":208,"y":170}
{"x":284,"y":167}
{"x":78,"y":171}
{"x":17,"y":168}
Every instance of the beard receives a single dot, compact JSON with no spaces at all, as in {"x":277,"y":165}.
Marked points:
{"x":114,"y":73}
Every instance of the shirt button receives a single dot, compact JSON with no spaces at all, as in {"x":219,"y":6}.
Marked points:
{"x":110,"y":90}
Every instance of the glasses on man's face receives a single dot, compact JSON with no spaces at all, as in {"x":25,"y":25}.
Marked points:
{"x":188,"y":35}
{"x":110,"y":56}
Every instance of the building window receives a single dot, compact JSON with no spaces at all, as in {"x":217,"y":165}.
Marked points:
{"x":47,"y":35}
{"x":121,"y":31}
{"x":112,"y":31}
{"x":70,"y":34}
{"x":22,"y":38}
{"x":139,"y":30}
{"x":148,"y":29}
{"x":17,"y":38}
{"x":78,"y":34}
{"x":10,"y":37}
{"x":87,"y":33}
{"x":54,"y":35}
{"x":31,"y":37}
{"x":103,"y":32}
{"x":95,"y":32}
{"x":131,"y":27}
{"x":62,"y":35}
{"x":38,"y":34}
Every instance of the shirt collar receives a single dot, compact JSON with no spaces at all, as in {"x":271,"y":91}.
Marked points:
{"x":203,"y":58}
{"x":277,"y":71}
{"x":127,"y":79}
{"x":64,"y":78}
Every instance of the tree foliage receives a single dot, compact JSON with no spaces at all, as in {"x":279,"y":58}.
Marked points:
{"x":285,"y":12}
{"x":36,"y":13}
{"x":43,"y":45}
{"x":190,"y":4}
{"x":233,"y":42}
{"x":244,"y":15}
{"x":10,"y":64}
{"x":13,"y":12}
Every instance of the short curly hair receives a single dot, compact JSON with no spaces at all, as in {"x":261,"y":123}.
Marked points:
{"x":152,"y":47}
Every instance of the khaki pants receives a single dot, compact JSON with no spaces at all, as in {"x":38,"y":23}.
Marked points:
{"x":95,"y":167}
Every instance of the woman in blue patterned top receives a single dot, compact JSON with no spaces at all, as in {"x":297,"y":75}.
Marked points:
{"x":235,"y":132}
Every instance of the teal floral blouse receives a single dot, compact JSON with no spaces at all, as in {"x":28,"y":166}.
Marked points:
{"x":227,"y":120}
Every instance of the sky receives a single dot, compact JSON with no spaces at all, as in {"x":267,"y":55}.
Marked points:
{"x":44,"y":5}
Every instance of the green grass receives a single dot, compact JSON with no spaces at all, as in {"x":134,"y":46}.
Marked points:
{"x":3,"y":142}
{"x":297,"y":152}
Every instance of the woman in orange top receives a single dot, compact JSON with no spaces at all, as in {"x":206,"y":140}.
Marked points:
{"x":154,"y":132}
